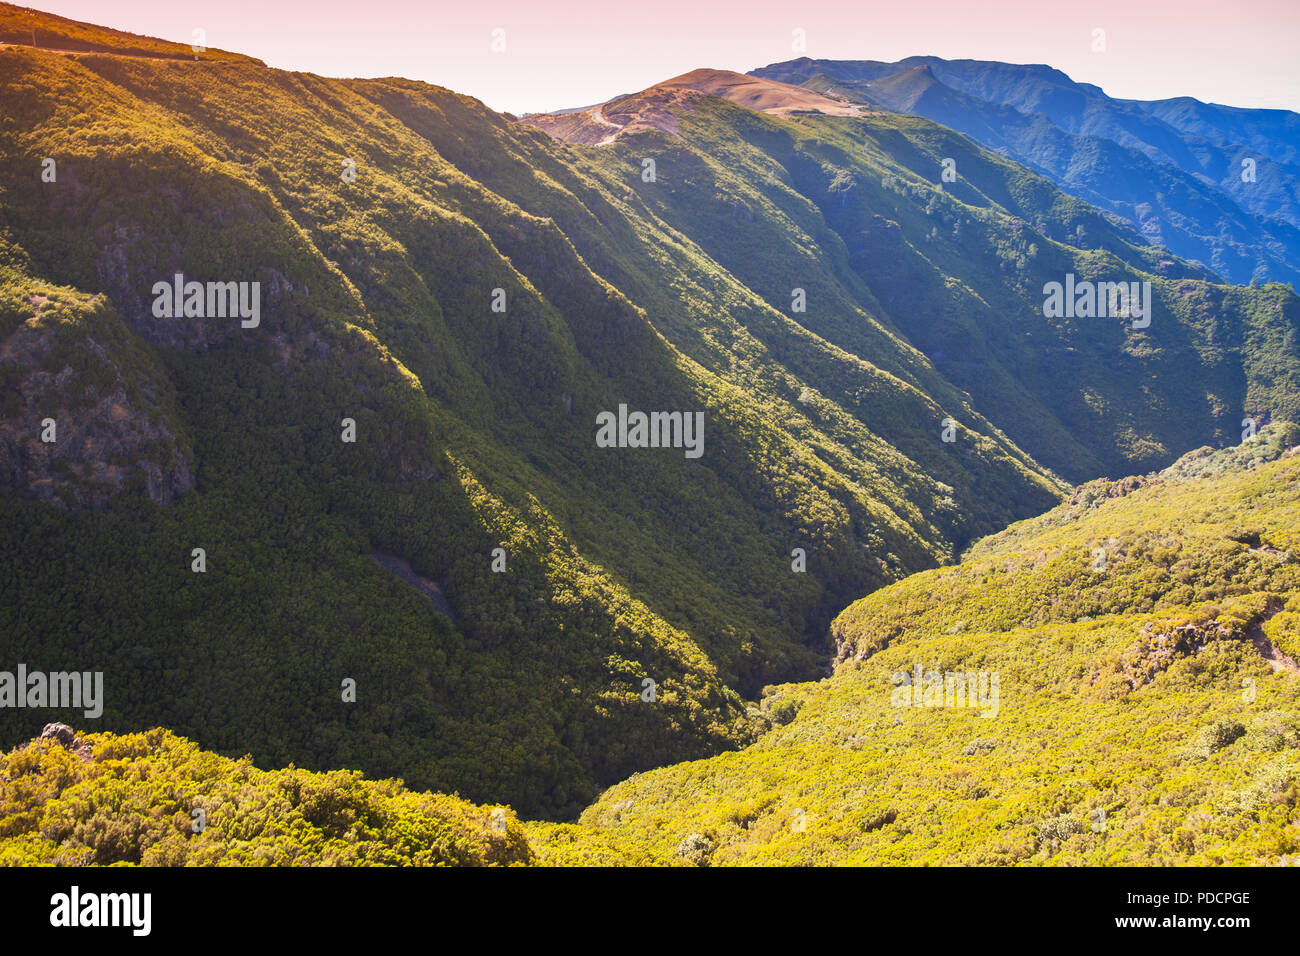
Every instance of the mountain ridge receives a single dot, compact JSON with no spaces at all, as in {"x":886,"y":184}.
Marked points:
{"x":1177,"y":181}
{"x":868,"y":344}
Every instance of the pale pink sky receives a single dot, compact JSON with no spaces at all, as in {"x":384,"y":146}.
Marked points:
{"x":580,"y":52}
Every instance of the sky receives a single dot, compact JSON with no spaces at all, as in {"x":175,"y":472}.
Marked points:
{"x":580,"y":52}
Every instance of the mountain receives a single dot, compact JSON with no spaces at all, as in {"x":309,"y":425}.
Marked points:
{"x":377,"y":523}
{"x":1174,"y":169}
{"x":475,"y":431}
{"x":655,"y":108}
{"x":24,"y":26}
{"x":1112,"y":683}
{"x":959,"y":270}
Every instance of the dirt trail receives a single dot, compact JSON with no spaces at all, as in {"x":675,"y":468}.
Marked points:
{"x":1272,"y":656}
{"x":598,"y":116}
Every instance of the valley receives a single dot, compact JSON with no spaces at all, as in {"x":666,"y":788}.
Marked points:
{"x":404,"y":369}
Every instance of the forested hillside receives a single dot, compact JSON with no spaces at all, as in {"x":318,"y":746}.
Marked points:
{"x":374,"y":529}
{"x":1134,"y":699}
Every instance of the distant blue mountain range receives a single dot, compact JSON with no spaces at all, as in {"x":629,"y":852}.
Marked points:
{"x":1216,"y":184}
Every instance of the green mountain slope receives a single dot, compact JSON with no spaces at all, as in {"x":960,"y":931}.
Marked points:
{"x":1172,"y":168}
{"x":639,"y":596}
{"x":1146,"y":710}
{"x":155,"y":799}
{"x":959,"y":268}
{"x":1143,"y":637}
{"x":475,"y":431}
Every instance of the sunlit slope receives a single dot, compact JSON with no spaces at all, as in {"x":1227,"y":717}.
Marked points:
{"x":28,"y":27}
{"x":380,"y":218}
{"x":1144,"y":638}
{"x":620,"y":567}
{"x":957,"y":270}
{"x":155,"y":799}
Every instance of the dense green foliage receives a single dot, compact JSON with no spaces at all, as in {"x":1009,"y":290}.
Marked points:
{"x":1138,"y":721}
{"x":475,"y":427}
{"x":132,"y":800}
{"x":1106,"y":747}
{"x":959,"y":270}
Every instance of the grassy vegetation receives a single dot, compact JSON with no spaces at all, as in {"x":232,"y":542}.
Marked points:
{"x":475,"y":427}
{"x":1138,"y":721}
{"x":155,"y":799}
{"x":1107,"y":747}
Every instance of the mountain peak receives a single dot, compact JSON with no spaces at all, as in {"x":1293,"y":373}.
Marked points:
{"x":652,"y":108}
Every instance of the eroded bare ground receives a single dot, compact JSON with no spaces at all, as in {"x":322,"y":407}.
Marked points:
{"x":654,"y":108}
{"x":1272,"y":656}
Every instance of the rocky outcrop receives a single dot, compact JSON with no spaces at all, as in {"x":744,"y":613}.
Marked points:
{"x":401,"y":568}
{"x":77,"y":425}
{"x":68,"y":738}
{"x":1161,"y":643}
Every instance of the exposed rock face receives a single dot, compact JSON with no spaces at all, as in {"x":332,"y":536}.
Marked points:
{"x":68,"y":738}
{"x":402,"y":569}
{"x":1096,"y":492}
{"x":75,"y":425}
{"x":1160,"y":644}
{"x":863,"y":642}
{"x":64,"y":734}
{"x":696,"y":849}
{"x":131,"y":261}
